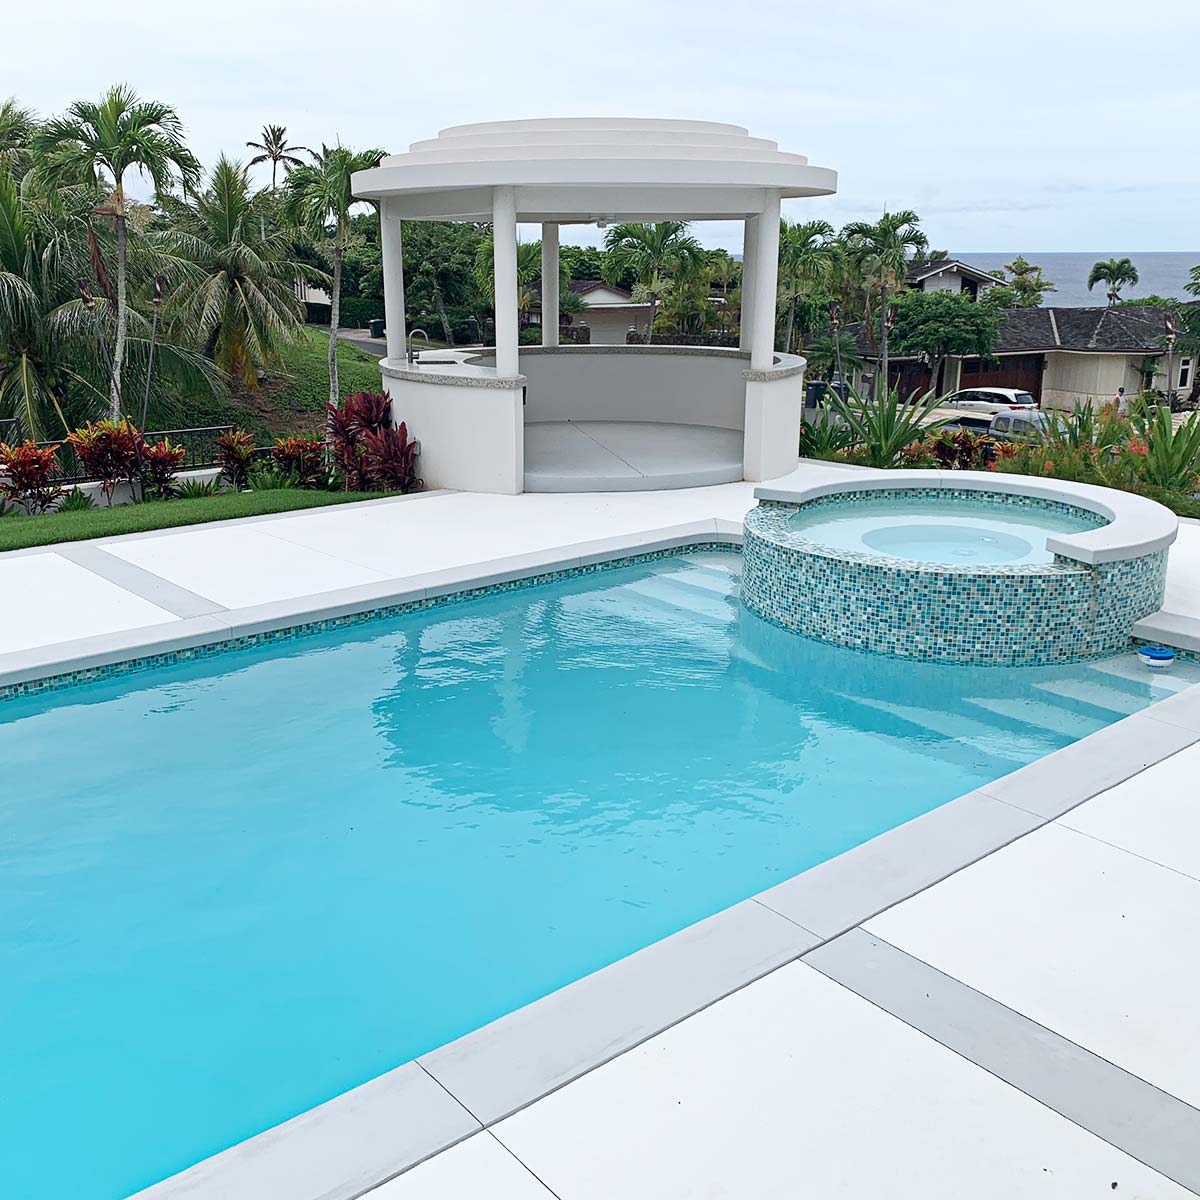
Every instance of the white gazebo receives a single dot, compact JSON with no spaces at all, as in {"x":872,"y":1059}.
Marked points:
{"x":594,"y":417}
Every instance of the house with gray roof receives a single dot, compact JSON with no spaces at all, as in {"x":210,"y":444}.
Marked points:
{"x":950,"y":275}
{"x":1064,"y":356}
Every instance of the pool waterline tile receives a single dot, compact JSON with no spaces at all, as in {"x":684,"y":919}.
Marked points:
{"x":458,"y":589}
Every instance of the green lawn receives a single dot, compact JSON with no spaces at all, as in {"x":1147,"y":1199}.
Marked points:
{"x":290,"y":402}
{"x":18,"y":532}
{"x":305,"y":389}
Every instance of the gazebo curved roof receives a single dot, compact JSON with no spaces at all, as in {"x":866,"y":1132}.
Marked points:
{"x":586,"y":169}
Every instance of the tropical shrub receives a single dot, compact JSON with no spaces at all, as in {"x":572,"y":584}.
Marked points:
{"x":76,"y":500}
{"x":824,"y":439}
{"x":391,"y":459}
{"x":198,"y":489}
{"x":961,"y":450}
{"x":268,"y":476}
{"x":157,"y":467}
{"x":109,"y":452}
{"x":28,"y":477}
{"x":1086,"y":426}
{"x":881,"y":427}
{"x":347,"y":425}
{"x":301,"y":458}
{"x":1171,"y":454}
{"x":235,"y":453}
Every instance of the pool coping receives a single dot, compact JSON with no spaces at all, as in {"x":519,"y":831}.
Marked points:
{"x":352,"y":1143}
{"x":1135,"y":525}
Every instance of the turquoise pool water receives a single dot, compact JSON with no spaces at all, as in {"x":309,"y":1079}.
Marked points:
{"x":232,"y":889}
{"x":936,"y":529}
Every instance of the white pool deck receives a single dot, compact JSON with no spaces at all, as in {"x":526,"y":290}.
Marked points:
{"x":1027,"y":1026}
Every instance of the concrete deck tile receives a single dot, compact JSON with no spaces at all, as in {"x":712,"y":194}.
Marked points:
{"x":49,"y":599}
{"x":1146,"y":1123}
{"x":1155,"y":815}
{"x":241,"y":566}
{"x":1088,"y":940}
{"x":477,"y":1169}
{"x":140,"y":582}
{"x":795,"y":1087}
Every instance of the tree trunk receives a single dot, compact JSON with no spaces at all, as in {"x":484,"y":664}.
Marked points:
{"x":334,"y":314}
{"x":440,"y":304}
{"x":787,"y":345}
{"x":114,"y":390}
{"x":650,"y":327}
{"x":883,"y":340}
{"x":935,"y":369}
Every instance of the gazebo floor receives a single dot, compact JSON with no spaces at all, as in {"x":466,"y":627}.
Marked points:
{"x":628,"y":456}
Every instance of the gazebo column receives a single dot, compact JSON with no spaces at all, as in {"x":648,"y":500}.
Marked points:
{"x":774,"y":395}
{"x":550,"y":283}
{"x":392,"y":252}
{"x":749,"y":263}
{"x":765,"y":285}
{"x":504,"y":264}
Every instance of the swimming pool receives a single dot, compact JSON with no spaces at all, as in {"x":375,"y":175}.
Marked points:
{"x":234,"y":888}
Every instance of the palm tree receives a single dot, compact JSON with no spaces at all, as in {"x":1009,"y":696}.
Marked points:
{"x":54,"y":362}
{"x":1027,"y":282}
{"x":880,"y":250}
{"x":806,"y":264}
{"x":1116,"y":272}
{"x":240,"y":304}
{"x":101,"y":142}
{"x":319,"y":194}
{"x":276,"y":151}
{"x":1192,"y":287}
{"x":17,"y":126}
{"x":829,"y":349}
{"x":653,"y":253}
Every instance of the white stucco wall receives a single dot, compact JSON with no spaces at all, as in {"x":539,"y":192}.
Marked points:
{"x":609,"y":325}
{"x":774,"y":411}
{"x":640,"y":384}
{"x":949,"y":281}
{"x":472,"y":438}
{"x":1088,"y":379}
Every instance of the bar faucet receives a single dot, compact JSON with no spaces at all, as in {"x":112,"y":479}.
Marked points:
{"x":412,"y":333}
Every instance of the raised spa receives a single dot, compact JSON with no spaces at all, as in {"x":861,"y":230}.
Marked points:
{"x":963,"y":567}
{"x":934,"y":528}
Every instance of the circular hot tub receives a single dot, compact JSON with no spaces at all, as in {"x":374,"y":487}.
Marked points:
{"x":958,"y":567}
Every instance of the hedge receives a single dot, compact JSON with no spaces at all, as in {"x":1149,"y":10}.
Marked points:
{"x":353,"y":313}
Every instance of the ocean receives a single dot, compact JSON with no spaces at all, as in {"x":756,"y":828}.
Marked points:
{"x":1160,"y":273}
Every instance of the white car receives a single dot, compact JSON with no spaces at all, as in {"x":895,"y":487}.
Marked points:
{"x":990,"y":399}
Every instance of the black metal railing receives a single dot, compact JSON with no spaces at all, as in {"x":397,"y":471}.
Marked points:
{"x":11,"y":431}
{"x":200,"y":446}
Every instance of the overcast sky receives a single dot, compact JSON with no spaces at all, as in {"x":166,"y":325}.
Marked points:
{"x":1024,"y":125}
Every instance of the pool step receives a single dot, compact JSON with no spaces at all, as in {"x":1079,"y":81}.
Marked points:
{"x":698,"y":602}
{"x":722,"y":584}
{"x":1104,"y":696}
{"x":979,"y":735}
{"x":1023,"y":714}
{"x":1130,"y":668}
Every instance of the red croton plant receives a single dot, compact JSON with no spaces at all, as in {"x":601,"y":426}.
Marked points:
{"x":28,"y":475}
{"x":301,"y":458}
{"x":110,"y":452}
{"x":368,"y":450}
{"x":159,"y":462}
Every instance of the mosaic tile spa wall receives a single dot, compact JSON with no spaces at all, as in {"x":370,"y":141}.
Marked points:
{"x":1003,"y":615}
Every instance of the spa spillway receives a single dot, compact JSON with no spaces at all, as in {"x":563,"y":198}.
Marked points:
{"x":967,"y":567}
